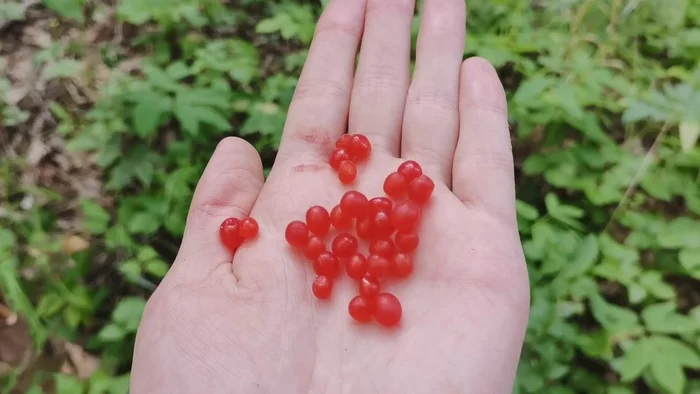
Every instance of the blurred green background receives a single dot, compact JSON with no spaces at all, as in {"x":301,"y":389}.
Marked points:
{"x":110,"y":110}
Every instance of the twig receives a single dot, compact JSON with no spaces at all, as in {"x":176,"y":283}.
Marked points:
{"x":640,"y":173}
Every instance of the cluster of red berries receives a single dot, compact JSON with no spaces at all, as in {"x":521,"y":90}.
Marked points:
{"x":349,"y":148}
{"x":389,"y":227}
{"x":234,"y":232}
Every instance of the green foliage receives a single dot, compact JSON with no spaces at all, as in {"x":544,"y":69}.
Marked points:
{"x":603,"y":102}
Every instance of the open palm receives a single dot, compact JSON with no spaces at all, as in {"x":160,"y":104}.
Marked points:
{"x":249,"y":323}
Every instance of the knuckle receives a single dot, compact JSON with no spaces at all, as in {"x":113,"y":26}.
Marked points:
{"x":380,"y":78}
{"x":337,"y":25}
{"x":320,"y":90}
{"x":400,"y":8}
{"x":438,"y":99}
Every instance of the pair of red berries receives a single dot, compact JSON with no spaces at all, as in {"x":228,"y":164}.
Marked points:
{"x":233,"y":232}
{"x":349,"y":148}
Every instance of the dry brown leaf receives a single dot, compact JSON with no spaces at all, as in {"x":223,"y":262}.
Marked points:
{"x":73,"y":244}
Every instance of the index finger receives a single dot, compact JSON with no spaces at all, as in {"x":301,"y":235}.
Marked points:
{"x":318,"y":113}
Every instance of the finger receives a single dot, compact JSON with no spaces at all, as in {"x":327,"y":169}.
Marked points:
{"x":383,"y":73}
{"x":431,"y":119}
{"x":228,"y":187}
{"x":319,"y":111}
{"x":483,"y":173}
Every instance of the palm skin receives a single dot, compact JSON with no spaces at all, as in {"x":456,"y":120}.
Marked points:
{"x":249,"y":323}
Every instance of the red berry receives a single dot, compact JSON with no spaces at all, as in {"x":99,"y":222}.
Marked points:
{"x":387,"y":309}
{"x":361,"y":309}
{"x":327,"y":264}
{"x":420,"y":189}
{"x":322,"y":287}
{"x":249,"y":228}
{"x":405,"y":216}
{"x":314,"y":247}
{"x":364,"y":228}
{"x":229,"y":233}
{"x":395,"y":185}
{"x":340,"y":220}
{"x":410,"y":169}
{"x":381,"y":225}
{"x":403,"y":265}
{"x":344,"y":245}
{"x":338,"y":156}
{"x":377,"y":265}
{"x":369,"y":286}
{"x":318,"y":220}
{"x":344,"y":141}
{"x":380,"y":204}
{"x":297,"y":233}
{"x":356,"y":266}
{"x":347,"y":172}
{"x":354,"y":204}
{"x":359,"y":147}
{"x":406,"y":242}
{"x":382,"y":247}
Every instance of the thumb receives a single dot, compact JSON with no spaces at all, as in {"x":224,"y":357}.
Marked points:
{"x":228,"y":187}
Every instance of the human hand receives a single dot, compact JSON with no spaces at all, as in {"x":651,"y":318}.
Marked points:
{"x":249,"y":324}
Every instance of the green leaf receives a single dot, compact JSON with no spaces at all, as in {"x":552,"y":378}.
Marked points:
{"x":95,"y":218}
{"x":63,"y":69}
{"x":148,"y":113}
{"x":668,"y":373}
{"x":653,"y":282}
{"x":68,"y":385}
{"x":690,"y":260}
{"x":128,"y":312}
{"x":689,"y":133}
{"x":679,"y":351}
{"x":617,"y":320}
{"x":662,"y":318}
{"x":71,"y":9}
{"x":143,"y":223}
{"x":683,"y":232}
{"x":49,"y":304}
{"x":584,"y":258}
{"x":157,"y":268}
{"x":636,"y":359}
{"x":7,"y":239}
{"x":111,"y":333}
{"x":526,"y":211}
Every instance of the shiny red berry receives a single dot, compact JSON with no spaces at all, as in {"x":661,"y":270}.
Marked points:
{"x":378,"y":266}
{"x":347,"y":172}
{"x":297,"y":233}
{"x":318,"y":220}
{"x":327,"y":264}
{"x":229,"y":233}
{"x":403,"y":265}
{"x":410,"y":170}
{"x":354,"y":204}
{"x":420,"y":189}
{"x":314,"y":247}
{"x":359,"y":147}
{"x":405,"y":216}
{"x":387,"y":309}
{"x":322,"y":287}
{"x":381,"y":204}
{"x":381,"y":225}
{"x":249,"y":228}
{"x":356,"y":266}
{"x":364,"y":230}
{"x":344,"y":245}
{"x":369,"y":286}
{"x":395,"y":185}
{"x":338,"y":156}
{"x":339,"y":219}
{"x":406,"y":242}
{"x":382,"y":247}
{"x":361,"y":309}
{"x":343,"y":141}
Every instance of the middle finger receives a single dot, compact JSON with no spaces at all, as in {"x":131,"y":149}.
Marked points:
{"x":382,"y":78}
